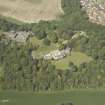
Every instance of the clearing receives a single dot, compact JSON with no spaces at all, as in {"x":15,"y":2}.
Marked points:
{"x":76,"y":57}
{"x":43,"y":49}
{"x":31,"y":10}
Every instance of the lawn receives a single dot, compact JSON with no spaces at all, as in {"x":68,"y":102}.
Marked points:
{"x":77,"y":97}
{"x":43,"y":49}
{"x":76,"y":57}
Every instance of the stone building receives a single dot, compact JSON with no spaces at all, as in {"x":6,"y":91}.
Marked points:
{"x":57,"y":54}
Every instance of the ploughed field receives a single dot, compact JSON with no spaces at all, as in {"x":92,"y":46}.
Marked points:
{"x":89,"y":97}
{"x":31,"y":10}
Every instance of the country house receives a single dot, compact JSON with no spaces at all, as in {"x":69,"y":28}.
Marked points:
{"x":57,"y":54}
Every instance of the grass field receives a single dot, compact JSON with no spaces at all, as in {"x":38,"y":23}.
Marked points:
{"x":43,"y":49}
{"x":77,"y":97}
{"x":76,"y":57}
{"x":31,"y":10}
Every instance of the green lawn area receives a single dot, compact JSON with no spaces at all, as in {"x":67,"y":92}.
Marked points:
{"x":77,"y":97}
{"x":43,"y":49}
{"x":76,"y":57}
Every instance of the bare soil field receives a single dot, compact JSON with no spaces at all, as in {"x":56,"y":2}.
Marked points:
{"x":31,"y":10}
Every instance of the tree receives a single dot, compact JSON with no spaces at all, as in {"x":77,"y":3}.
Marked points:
{"x":62,"y":46}
{"x":72,"y":67}
{"x":66,"y":103}
{"x":39,"y":32}
{"x":53,"y":37}
{"x":46,"y":41}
